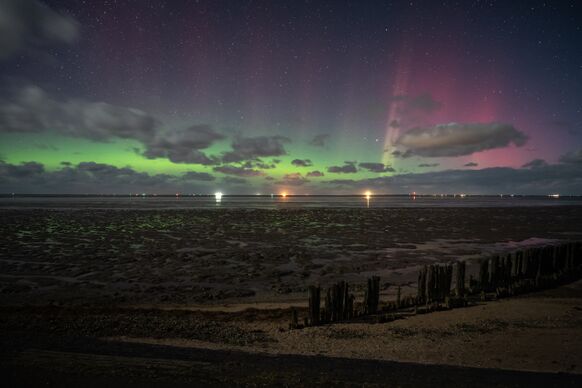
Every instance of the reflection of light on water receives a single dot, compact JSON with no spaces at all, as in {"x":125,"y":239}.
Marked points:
{"x":218,"y":196}
{"x":368,"y":195}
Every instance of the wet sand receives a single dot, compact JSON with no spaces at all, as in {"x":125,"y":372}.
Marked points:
{"x":236,"y":255}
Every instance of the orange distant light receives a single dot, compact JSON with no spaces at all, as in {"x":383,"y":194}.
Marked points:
{"x":283,"y":194}
{"x":368,"y":194}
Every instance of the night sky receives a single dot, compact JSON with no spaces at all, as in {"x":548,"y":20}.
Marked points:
{"x":306,"y":97}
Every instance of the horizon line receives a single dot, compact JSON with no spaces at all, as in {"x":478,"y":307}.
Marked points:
{"x":281,"y":195}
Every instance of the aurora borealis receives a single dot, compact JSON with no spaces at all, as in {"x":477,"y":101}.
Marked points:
{"x":481,"y":97}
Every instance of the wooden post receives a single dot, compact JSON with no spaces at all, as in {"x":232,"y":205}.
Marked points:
{"x":525,"y":264}
{"x":516,"y":273}
{"x":350,"y":306}
{"x":447,"y":281}
{"x":372,"y":295}
{"x":421,"y":290}
{"x":328,"y":306}
{"x":294,"y":319}
{"x":430,"y":284}
{"x":337,"y":307}
{"x":484,"y":274}
{"x":314,"y":302}
{"x":341,"y":303}
{"x":538,"y":266}
{"x":494,"y":272}
{"x":334,"y":303}
{"x":460,"y":280}
{"x":346,"y":302}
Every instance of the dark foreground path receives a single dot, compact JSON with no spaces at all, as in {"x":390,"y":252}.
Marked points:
{"x":30,"y":361}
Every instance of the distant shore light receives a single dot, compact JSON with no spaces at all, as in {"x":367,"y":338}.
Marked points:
{"x":368,"y":195}
{"x":218,"y":195}
{"x":283,"y":194}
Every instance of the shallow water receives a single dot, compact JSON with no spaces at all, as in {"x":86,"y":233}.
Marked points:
{"x":267,"y":202}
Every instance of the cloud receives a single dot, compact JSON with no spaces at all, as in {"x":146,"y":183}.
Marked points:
{"x":265,"y":166}
{"x":401,"y":154}
{"x":91,"y":177}
{"x":471,"y":164}
{"x":573,"y":157}
{"x":293,"y":179}
{"x":84,"y":177}
{"x":428,"y":164}
{"x":198,"y":176}
{"x":100,"y":178}
{"x":183,"y":146}
{"x":238,"y":171}
{"x":30,"y":109}
{"x":536,"y":163}
{"x":302,"y":162}
{"x":250,"y":148}
{"x":459,"y":139}
{"x":181,"y":155}
{"x":320,"y":140}
{"x":257,"y":163}
{"x":347,"y":168}
{"x":376,"y":167}
{"x":10,"y":172}
{"x":315,"y":174}
{"x":31,"y":24}
{"x":562,"y":178}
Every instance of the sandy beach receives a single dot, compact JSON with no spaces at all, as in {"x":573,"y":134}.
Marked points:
{"x":523,"y":341}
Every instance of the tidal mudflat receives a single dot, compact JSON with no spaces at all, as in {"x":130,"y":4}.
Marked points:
{"x":226,"y":255}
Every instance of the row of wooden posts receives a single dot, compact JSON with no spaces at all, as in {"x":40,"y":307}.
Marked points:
{"x":518,"y":272}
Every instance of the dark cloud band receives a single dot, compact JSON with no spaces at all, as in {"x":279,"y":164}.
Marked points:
{"x":449,"y":140}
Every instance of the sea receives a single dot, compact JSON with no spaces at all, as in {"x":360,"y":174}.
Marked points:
{"x":278,"y":202}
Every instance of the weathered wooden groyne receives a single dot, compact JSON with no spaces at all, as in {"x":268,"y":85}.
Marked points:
{"x":444,"y":286}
